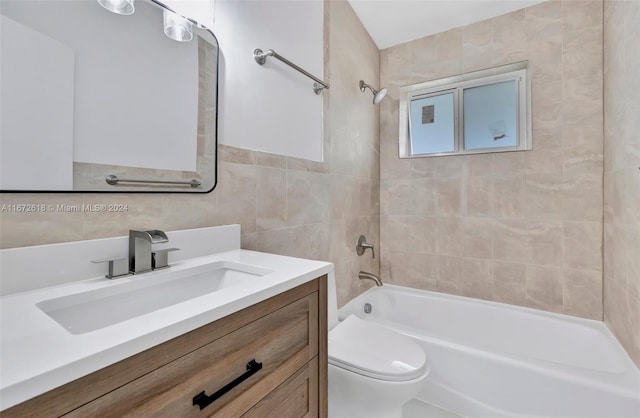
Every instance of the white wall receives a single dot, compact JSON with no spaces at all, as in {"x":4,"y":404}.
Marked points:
{"x":198,"y":10}
{"x":133,"y":132}
{"x":270,"y":108}
{"x":112,"y":120}
{"x":36,"y":78}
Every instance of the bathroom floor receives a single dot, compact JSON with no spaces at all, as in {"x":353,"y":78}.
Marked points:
{"x":418,"y":409}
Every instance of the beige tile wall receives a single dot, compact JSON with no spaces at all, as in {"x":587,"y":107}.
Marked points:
{"x":525,"y":227}
{"x":285,"y":205}
{"x":621,"y":173}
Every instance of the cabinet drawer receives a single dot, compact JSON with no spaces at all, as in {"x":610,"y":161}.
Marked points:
{"x":296,"y":397}
{"x":283,"y":341}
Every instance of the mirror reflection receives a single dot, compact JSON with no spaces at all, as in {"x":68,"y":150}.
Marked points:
{"x":106,"y":95}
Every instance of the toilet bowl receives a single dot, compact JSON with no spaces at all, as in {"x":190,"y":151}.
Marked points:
{"x":373,"y":370}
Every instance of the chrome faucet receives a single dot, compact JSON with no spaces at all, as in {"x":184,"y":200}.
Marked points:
{"x":370,"y":276}
{"x":141,"y":259}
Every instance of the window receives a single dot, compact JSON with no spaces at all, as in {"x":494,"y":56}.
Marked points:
{"x":433,"y":120}
{"x":479,"y":112}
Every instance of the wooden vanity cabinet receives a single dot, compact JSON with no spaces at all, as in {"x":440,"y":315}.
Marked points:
{"x":276,"y":352}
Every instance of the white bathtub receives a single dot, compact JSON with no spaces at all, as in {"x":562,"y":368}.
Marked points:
{"x":495,"y":360}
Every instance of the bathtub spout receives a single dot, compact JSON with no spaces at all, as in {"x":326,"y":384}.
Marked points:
{"x":370,"y":276}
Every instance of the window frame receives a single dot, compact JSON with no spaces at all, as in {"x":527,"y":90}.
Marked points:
{"x":519,"y":72}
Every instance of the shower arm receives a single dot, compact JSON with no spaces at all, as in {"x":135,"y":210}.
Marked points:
{"x":363,"y":86}
{"x":378,"y":95}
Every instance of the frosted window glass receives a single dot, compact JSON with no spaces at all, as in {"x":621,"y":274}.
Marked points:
{"x":490,"y":114}
{"x":431,"y":124}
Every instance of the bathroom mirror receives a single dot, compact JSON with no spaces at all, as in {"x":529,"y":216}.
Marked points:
{"x":93,"y":100}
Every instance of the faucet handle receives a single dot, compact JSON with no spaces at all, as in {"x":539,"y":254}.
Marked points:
{"x":118,"y":266}
{"x":160,"y":258}
{"x":362,"y":245}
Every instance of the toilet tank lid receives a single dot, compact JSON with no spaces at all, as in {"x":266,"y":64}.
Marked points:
{"x":372,"y":350}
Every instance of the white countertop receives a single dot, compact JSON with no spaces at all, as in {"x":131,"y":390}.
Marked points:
{"x":37,"y":354}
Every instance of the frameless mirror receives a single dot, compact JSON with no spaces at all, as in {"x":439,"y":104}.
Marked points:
{"x":93,"y":100}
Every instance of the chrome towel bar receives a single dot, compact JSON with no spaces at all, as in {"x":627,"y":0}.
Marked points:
{"x":114,"y":180}
{"x":261,"y":58}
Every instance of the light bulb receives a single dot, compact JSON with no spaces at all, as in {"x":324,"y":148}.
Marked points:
{"x":177,"y":27}
{"x":121,"y":7}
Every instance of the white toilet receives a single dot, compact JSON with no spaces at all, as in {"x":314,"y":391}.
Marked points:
{"x":373,"y":370}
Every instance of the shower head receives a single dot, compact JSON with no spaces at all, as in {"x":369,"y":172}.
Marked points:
{"x":378,"y":95}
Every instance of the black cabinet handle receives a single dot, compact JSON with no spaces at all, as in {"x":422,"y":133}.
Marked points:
{"x":203,"y":400}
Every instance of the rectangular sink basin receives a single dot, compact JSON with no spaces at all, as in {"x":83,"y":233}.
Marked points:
{"x":95,"y":309}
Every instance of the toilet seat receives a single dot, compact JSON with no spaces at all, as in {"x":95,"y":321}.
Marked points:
{"x":374,"y":351}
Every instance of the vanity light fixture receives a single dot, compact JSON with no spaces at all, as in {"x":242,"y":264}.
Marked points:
{"x":177,"y":27}
{"x":121,"y":7}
